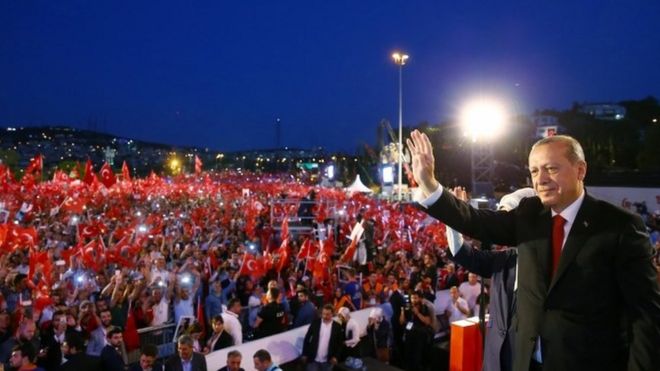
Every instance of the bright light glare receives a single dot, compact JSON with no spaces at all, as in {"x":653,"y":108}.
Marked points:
{"x":330,"y":171}
{"x":400,"y":58}
{"x":388,"y":175}
{"x":483,"y":119}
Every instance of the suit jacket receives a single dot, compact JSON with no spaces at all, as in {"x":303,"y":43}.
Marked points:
{"x":311,"y":341}
{"x":157,"y":366}
{"x":111,"y":360}
{"x":174,"y":363}
{"x":96,"y":342}
{"x":225,"y":340}
{"x":500,"y":266}
{"x":79,"y":362}
{"x":605,"y":283}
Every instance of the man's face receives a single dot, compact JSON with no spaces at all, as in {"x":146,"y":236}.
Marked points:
{"x":146,"y":362}
{"x":16,"y":359}
{"x":260,"y":366}
{"x":29,"y":332}
{"x":218,"y":326}
{"x":185,"y":351}
{"x":302,"y":297}
{"x":234,"y":363}
{"x":106,"y":318}
{"x":472,"y":279}
{"x":454,"y":293}
{"x":556,"y":180}
{"x":326,"y":315}
{"x":415,"y":299}
{"x":116,"y":340}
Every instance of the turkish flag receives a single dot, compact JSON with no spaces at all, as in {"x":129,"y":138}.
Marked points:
{"x":125,"y":172}
{"x":198,"y":165}
{"x":89,"y":173}
{"x":74,"y":205}
{"x":36,"y":165}
{"x":284,"y":234}
{"x":42,"y":258}
{"x":131,"y":336}
{"x":307,"y":250}
{"x":93,"y":255}
{"x":283,"y":253}
{"x":356,"y":234}
{"x":22,"y":237}
{"x":4,"y":230}
{"x":201,"y":318}
{"x":321,"y":264}
{"x":60,"y":176}
{"x":91,"y":230}
{"x":252,"y":266}
{"x":107,"y":176}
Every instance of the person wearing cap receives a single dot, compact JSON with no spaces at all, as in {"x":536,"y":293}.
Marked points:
{"x":352,"y":333}
{"x":378,"y":333}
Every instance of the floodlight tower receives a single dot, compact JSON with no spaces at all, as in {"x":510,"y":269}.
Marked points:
{"x":483,"y":121}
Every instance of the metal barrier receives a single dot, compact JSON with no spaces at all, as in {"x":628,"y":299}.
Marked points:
{"x":161,"y":336}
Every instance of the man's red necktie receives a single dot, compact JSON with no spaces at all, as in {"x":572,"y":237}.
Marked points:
{"x":557,"y":240}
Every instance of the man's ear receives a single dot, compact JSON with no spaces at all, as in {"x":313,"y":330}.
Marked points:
{"x":582,"y":170}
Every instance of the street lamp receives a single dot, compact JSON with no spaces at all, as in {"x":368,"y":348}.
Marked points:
{"x":400,"y":60}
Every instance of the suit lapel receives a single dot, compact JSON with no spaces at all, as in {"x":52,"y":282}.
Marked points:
{"x":544,"y":228}
{"x":576,"y":238}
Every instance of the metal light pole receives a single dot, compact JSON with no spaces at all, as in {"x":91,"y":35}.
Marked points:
{"x":400,"y":60}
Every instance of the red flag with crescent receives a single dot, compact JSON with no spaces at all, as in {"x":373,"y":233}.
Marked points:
{"x":198,"y":165}
{"x":107,"y":176}
{"x":252,"y":266}
{"x":125,"y":172}
{"x":89,"y":173}
{"x":356,"y":234}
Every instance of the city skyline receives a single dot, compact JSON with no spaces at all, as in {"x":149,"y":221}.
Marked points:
{"x":219,"y":76}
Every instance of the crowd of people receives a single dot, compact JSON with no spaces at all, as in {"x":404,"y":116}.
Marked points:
{"x":84,"y":265}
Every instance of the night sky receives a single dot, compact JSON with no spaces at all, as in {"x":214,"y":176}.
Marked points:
{"x":218,"y":73}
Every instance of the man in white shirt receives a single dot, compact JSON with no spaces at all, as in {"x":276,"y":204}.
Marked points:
{"x":458,"y":308}
{"x":232,"y":324}
{"x":470,"y":291}
{"x":323,"y":342}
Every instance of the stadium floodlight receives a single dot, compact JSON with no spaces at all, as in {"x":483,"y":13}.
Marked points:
{"x":483,"y":119}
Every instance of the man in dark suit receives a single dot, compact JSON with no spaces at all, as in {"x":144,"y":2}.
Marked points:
{"x":186,"y":359}
{"x":148,"y":359}
{"x":73,"y":349}
{"x":234,"y":359}
{"x":323,"y":342}
{"x":588,"y":298}
{"x":111,"y":357}
{"x":500,"y":267}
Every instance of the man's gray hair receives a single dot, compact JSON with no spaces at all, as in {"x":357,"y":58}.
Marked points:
{"x":574,"y":151}
{"x":185,"y":340}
